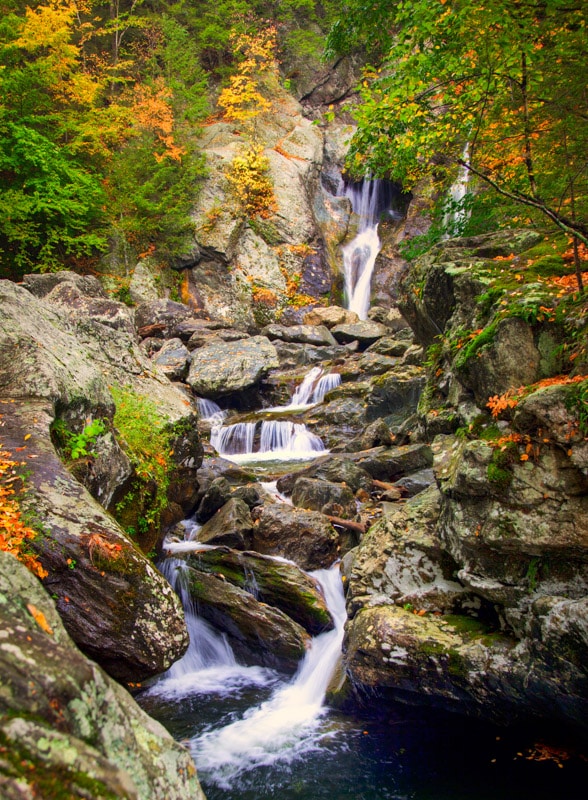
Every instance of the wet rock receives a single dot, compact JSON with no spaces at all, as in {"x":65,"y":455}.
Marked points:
{"x":325,"y":496}
{"x":316,"y":335}
{"x":111,"y":600}
{"x":220,"y":369}
{"x":388,"y":464}
{"x":510,"y":360}
{"x":251,"y":495}
{"x":68,"y":722}
{"x":401,"y":560}
{"x":366,"y":333}
{"x":460,"y":665}
{"x":390,"y":346}
{"x":276,"y":583}
{"x":330,"y":317}
{"x":395,"y":395}
{"x":231,"y":526}
{"x":173,"y":358}
{"x":305,"y":537}
{"x":299,"y":355}
{"x":258,"y":633}
{"x":216,"y":494}
{"x":376,"y":433}
{"x":415,"y":483}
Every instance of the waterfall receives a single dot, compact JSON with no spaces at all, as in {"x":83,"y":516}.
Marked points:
{"x":456,"y":214}
{"x":287,"y":725}
{"x":277,"y":438}
{"x":314,"y":387}
{"x":209,"y":664}
{"x":208,"y":409}
{"x":233,"y":439}
{"x":359,"y":256}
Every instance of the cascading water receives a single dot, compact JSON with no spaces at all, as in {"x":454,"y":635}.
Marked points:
{"x":457,"y":214}
{"x":369,"y":199}
{"x":208,"y":409}
{"x":278,"y":730}
{"x":281,"y":439}
{"x":286,"y":725}
{"x":313,"y":388}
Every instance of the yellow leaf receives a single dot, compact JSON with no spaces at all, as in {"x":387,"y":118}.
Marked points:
{"x":28,"y":436}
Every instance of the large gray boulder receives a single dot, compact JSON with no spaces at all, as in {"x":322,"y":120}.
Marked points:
{"x":231,"y":526}
{"x":227,"y":367}
{"x":110,"y":596}
{"x":305,"y":537}
{"x":64,"y":724}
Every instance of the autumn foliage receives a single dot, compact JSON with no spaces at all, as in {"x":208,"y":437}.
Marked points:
{"x":512,"y":397}
{"x":14,"y":532}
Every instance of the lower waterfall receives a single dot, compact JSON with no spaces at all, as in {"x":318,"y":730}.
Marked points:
{"x":286,"y":725}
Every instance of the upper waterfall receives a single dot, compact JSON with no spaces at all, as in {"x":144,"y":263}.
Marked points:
{"x":369,"y":200}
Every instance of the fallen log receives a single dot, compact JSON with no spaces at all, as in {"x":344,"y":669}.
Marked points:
{"x":358,"y":527}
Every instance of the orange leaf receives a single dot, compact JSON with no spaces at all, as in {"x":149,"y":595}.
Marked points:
{"x":39,"y":618}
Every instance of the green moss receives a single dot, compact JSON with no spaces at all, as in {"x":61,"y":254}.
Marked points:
{"x":146,"y":438}
{"x":500,"y":477}
{"x":469,"y":626}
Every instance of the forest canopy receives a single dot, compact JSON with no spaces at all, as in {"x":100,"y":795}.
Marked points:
{"x":100,"y":103}
{"x":497,"y":86}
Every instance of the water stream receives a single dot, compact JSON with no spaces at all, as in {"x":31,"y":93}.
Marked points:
{"x":273,"y":439}
{"x":255,"y":735}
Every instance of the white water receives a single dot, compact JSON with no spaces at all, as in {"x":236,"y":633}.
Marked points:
{"x":209,"y":664}
{"x":359,"y":256}
{"x":208,"y":409}
{"x":313,"y":388}
{"x":278,"y":439}
{"x":453,"y":220}
{"x":287,"y":725}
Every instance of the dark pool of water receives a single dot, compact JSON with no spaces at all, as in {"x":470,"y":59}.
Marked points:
{"x":410,"y":755}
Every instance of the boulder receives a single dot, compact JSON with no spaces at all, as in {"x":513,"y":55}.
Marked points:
{"x":231,"y":526}
{"x":42,"y":284}
{"x":305,"y":537}
{"x":258,"y":633}
{"x":401,"y":560}
{"x":164,"y":313}
{"x":216,"y":494}
{"x":330,"y":317}
{"x":395,"y":395}
{"x":376,"y":433}
{"x":291,"y":354}
{"x":65,"y":725}
{"x":366,"y":333}
{"x":277,"y":583}
{"x":109,"y":595}
{"x":316,"y":335}
{"x":173,"y":358}
{"x":328,"y":498}
{"x":220,"y":369}
{"x":78,"y":305}
{"x":457,"y":664}
{"x":390,"y":463}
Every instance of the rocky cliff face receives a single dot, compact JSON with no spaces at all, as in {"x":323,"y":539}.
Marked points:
{"x":66,"y":728}
{"x":472,"y":596}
